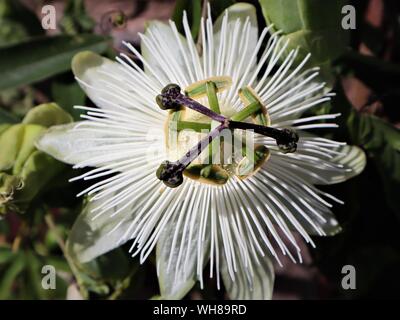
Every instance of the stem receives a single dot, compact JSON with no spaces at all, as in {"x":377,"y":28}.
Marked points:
{"x":286,"y":139}
{"x":51,"y":225}
{"x":265,"y":131}
{"x":60,"y":241}
{"x":196,"y":150}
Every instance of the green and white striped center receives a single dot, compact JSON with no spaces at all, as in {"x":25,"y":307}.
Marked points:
{"x":233,"y":153}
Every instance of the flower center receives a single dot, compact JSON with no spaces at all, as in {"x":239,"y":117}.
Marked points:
{"x":217,"y":149}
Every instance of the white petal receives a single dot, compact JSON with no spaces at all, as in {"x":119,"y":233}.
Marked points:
{"x":113,"y":86}
{"x":106,"y":219}
{"x":94,"y":72}
{"x":166,"y":54}
{"x":94,"y":144}
{"x":294,"y":203}
{"x":349,"y":162}
{"x":353,"y":159}
{"x":241,"y":11}
{"x":177,"y":249}
{"x":67,"y":145}
{"x":90,"y":238}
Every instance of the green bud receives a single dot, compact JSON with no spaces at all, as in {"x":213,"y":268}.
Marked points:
{"x":38,"y":170}
{"x":8,"y":186}
{"x":25,"y":171}
{"x":47,"y":115}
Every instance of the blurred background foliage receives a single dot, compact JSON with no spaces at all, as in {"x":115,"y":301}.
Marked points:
{"x":37,"y":89}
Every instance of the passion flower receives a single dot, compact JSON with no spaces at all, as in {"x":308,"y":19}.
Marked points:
{"x":234,"y":214}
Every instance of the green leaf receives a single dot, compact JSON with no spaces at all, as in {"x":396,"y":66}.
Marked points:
{"x":101,"y":272}
{"x":35,"y":276}
{"x":7,"y":117}
{"x":312,"y":25}
{"x":47,"y":115}
{"x":17,"y":143}
{"x":6,"y":255}
{"x":67,"y":96}
{"x":70,"y":146}
{"x":40,"y":58}
{"x":18,"y":22}
{"x":381,"y":142}
{"x":9,"y":276}
{"x":75,"y":19}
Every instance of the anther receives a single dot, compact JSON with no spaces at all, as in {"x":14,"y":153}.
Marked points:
{"x":167,"y":99}
{"x":172,"y":98}
{"x":171,"y":173}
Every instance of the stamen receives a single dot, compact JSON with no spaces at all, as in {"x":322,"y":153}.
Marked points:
{"x":171,"y":173}
{"x":211,"y":89}
{"x":189,"y":125}
{"x":251,"y":109}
